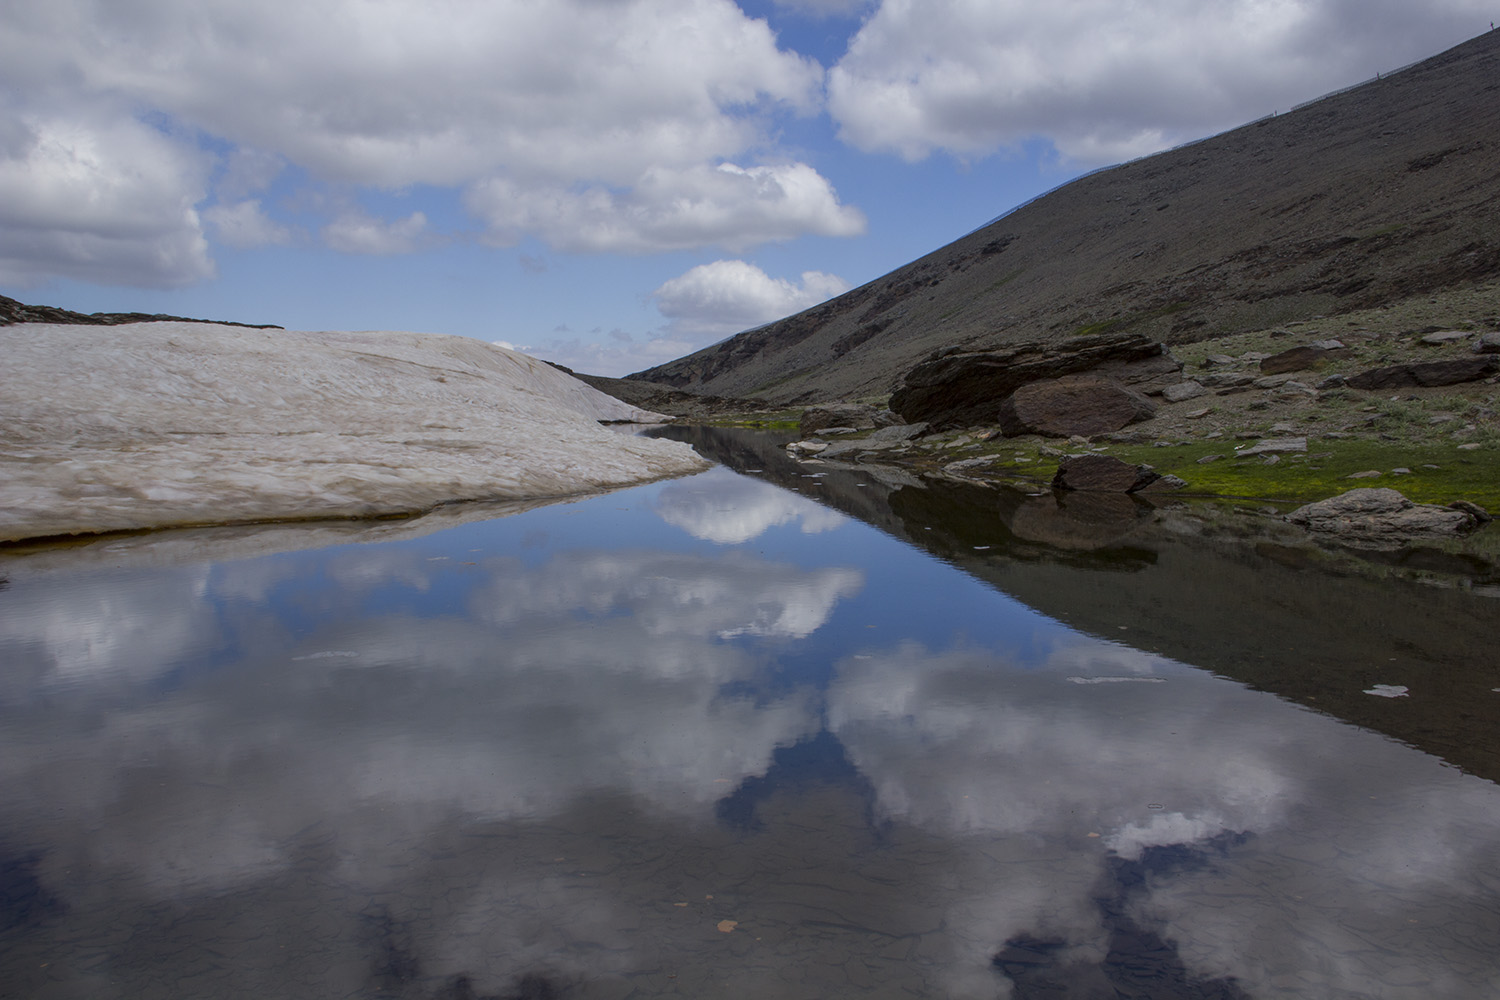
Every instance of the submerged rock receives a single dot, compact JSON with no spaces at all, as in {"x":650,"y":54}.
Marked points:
{"x":1381,"y":513}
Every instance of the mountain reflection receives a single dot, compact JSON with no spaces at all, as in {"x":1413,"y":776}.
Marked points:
{"x":505,"y":760}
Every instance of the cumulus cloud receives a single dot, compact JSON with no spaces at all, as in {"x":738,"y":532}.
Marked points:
{"x":357,"y":232}
{"x":245,"y":224}
{"x":669,"y":209}
{"x":99,"y":198}
{"x":1106,"y":81}
{"x":727,"y":296}
{"x":595,"y":125}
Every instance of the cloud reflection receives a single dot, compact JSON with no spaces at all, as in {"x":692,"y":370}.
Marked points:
{"x":722,"y":507}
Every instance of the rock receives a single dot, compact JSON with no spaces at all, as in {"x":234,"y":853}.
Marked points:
{"x":1328,"y":345}
{"x":1198,"y":414}
{"x":1078,"y":521}
{"x":1073,"y":405}
{"x":1402,"y":471}
{"x":1488,"y":343}
{"x":1164,"y":484}
{"x":1209,"y":458}
{"x":1101,"y":474}
{"x":1427,"y":373}
{"x":1218,"y":361}
{"x":1226,"y":380}
{"x":1274,"y":446}
{"x":1333,"y":382}
{"x":884,"y":439}
{"x":1381,"y":513}
{"x":1445,"y":337}
{"x":1477,"y":512}
{"x":818,"y":418}
{"x":1183,"y":391}
{"x":1295,"y":359}
{"x":1471,"y":446}
{"x":1254,"y":356}
{"x":966,"y":388}
{"x":808,"y":447}
{"x":1367,"y":474}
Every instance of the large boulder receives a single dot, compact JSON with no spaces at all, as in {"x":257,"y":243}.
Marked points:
{"x":1101,"y":474}
{"x":1074,"y":404}
{"x":1381,"y":513}
{"x":956,"y":388}
{"x":859,"y":416}
{"x":1427,"y":373}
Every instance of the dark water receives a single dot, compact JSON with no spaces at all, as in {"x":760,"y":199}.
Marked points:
{"x":715,"y":738}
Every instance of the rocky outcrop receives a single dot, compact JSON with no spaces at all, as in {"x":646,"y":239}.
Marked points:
{"x":13,"y":312}
{"x":1427,"y":373}
{"x":1075,"y":404}
{"x":1381,"y":514}
{"x":857,"y":416}
{"x":1101,"y":474}
{"x":957,"y":388}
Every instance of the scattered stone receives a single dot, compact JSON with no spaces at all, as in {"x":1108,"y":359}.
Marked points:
{"x":1164,"y":484}
{"x":1283,"y":428}
{"x":1389,"y":690}
{"x":1328,"y":345}
{"x":1444,"y":337}
{"x":1183,"y":391}
{"x":1259,"y":404}
{"x":1209,"y":458}
{"x":1271,"y":381}
{"x":1401,"y":472}
{"x":808,"y":447}
{"x":1196,"y":414}
{"x":1335,"y":381}
{"x":1293,"y":360}
{"x":1214,"y":434}
{"x":1101,"y":474}
{"x":1488,"y":343}
{"x":961,"y":389}
{"x":1218,"y":361}
{"x":1367,"y":474}
{"x":1429,"y":373}
{"x":1072,"y":405}
{"x":1275,"y":446}
{"x":1471,"y":446}
{"x":1473,"y":509}
{"x":1254,"y":357}
{"x":1376,"y":513}
{"x":820,"y":418}
{"x":1271,"y":460}
{"x":1226,"y":380}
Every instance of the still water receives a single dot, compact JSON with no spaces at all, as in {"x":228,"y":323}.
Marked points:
{"x":715,"y":738}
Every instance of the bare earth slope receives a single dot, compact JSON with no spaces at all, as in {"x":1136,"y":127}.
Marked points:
{"x":1380,"y":193}
{"x":151,"y":425}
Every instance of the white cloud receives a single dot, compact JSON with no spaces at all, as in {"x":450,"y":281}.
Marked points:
{"x":357,"y":232}
{"x":100,"y":198}
{"x":727,"y":296}
{"x":669,"y":209}
{"x":1105,"y":80}
{"x":245,"y":224}
{"x":595,"y":125}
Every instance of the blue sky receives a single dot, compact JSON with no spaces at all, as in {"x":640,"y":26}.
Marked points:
{"x":604,"y":183}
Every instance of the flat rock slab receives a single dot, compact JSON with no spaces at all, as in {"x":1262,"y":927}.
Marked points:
{"x":1427,"y":373}
{"x":1101,"y":474}
{"x":154,"y":425}
{"x":1183,"y":391}
{"x":1381,"y":513}
{"x":1077,"y":404}
{"x":1445,"y":337}
{"x":1274,"y":446}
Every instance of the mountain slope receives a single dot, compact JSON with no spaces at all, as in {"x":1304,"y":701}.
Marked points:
{"x":1375,"y":194}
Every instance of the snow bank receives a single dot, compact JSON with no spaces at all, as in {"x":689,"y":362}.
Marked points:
{"x":157,"y":424}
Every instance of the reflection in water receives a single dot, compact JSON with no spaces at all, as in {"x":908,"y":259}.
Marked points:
{"x":758,"y":749}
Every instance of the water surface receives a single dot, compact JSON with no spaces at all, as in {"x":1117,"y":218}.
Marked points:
{"x":715,"y":738}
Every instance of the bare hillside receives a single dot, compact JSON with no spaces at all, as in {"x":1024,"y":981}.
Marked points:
{"x":1377,"y":194}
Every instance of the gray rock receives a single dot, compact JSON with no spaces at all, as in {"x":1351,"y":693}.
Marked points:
{"x":1226,"y":380}
{"x":818,"y":418}
{"x":1488,"y":343}
{"x":1209,"y":458}
{"x":1334,"y":381}
{"x":1274,"y":446}
{"x":1218,"y":361}
{"x":1428,"y":373}
{"x":1445,"y":337}
{"x":1183,"y":391}
{"x":1328,"y":345}
{"x":1381,"y":513}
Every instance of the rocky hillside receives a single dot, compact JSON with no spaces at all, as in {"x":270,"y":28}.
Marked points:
{"x":1386,"y":192}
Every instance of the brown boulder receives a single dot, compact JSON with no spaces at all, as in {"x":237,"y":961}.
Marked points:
{"x":1074,"y":404}
{"x":964,"y":388}
{"x":1427,"y":373}
{"x":1294,"y":360}
{"x":1101,"y":474}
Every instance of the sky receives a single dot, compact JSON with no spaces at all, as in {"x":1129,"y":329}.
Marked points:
{"x":608,"y":184}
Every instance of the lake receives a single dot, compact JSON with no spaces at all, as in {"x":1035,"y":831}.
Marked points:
{"x":776,"y":730}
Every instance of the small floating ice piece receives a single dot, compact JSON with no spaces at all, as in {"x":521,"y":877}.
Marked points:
{"x":1121,"y":680}
{"x":1388,"y":690}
